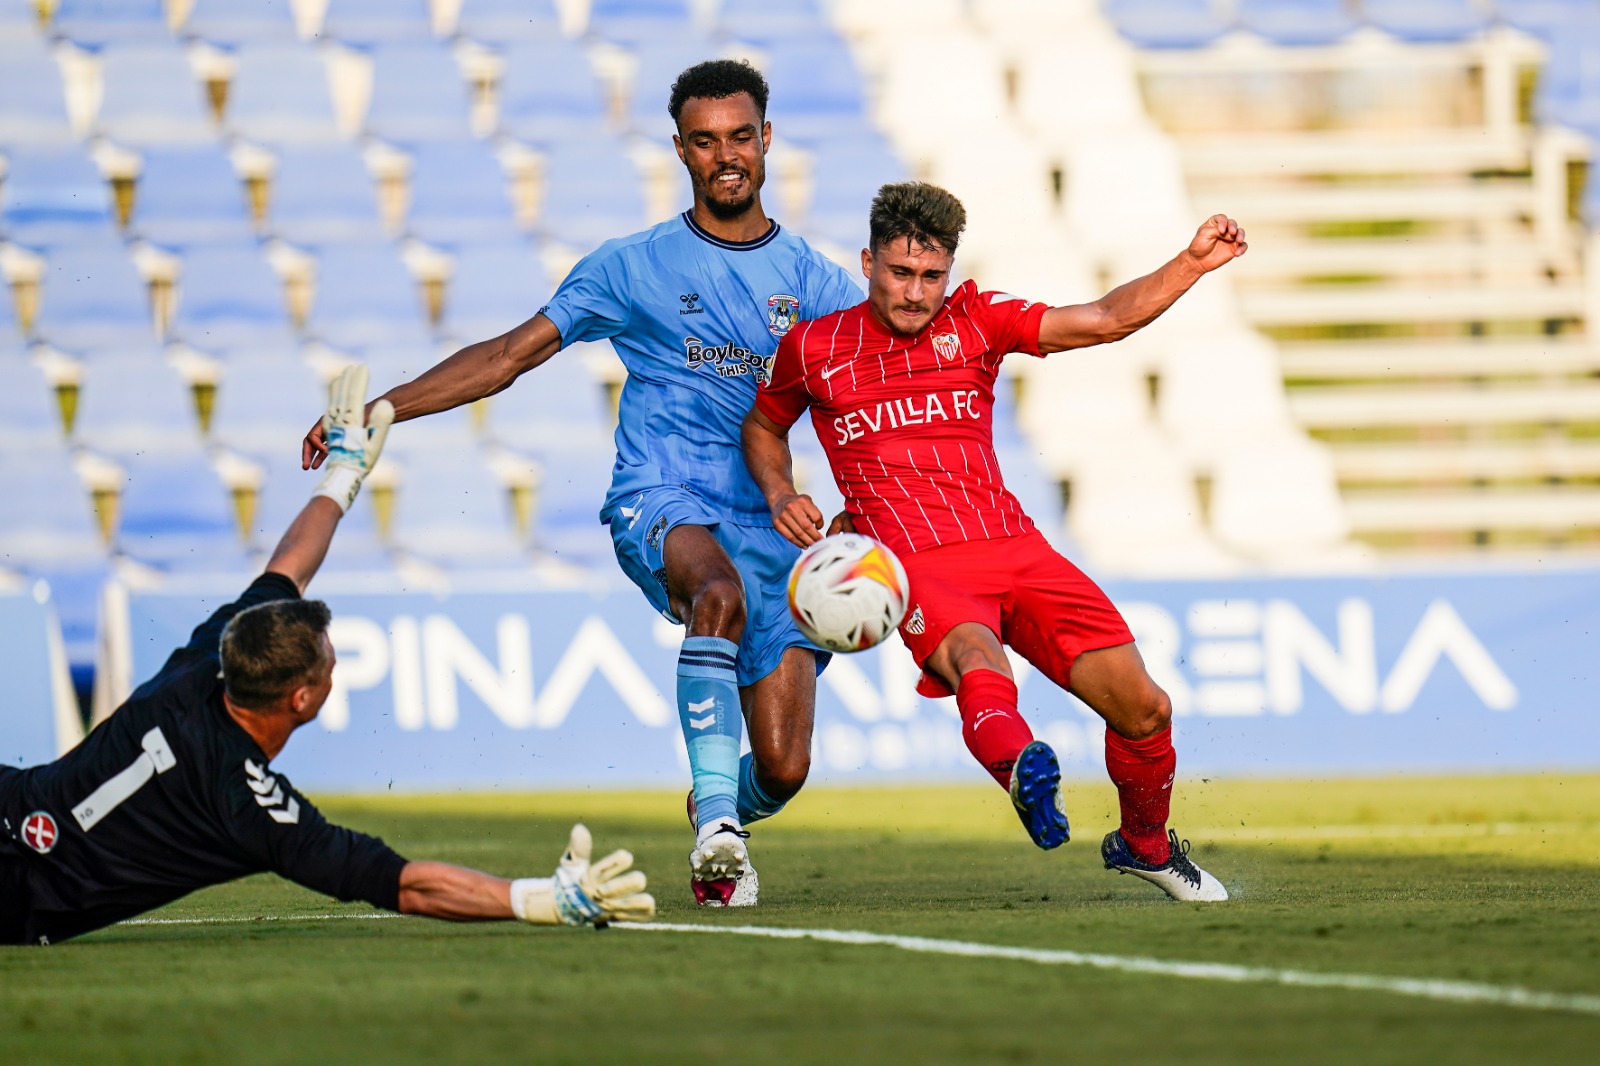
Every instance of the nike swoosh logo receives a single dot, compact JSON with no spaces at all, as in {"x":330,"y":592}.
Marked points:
{"x":828,"y":373}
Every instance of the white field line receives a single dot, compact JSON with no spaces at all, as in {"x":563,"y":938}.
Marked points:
{"x":1421,"y":988}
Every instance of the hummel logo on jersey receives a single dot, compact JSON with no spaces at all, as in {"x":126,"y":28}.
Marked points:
{"x":269,"y":794}
{"x":689,"y":299}
{"x":915,"y":624}
{"x":829,"y":371}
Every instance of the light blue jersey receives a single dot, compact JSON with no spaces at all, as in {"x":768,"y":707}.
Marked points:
{"x":696,"y":321}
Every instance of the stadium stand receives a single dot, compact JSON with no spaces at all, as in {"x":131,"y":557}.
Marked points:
{"x":365,"y":298}
{"x":593,"y":192}
{"x":506,"y":21}
{"x":322,"y":194}
{"x":92,"y":297}
{"x":418,"y":94}
{"x":494,"y":287}
{"x":132,"y":403}
{"x":55,"y":197}
{"x":234,"y":22}
{"x":151,"y":97}
{"x":550,"y":93}
{"x":229,"y":299}
{"x":28,"y":414}
{"x":280,"y":95}
{"x":459,"y":194}
{"x":190,"y":196}
{"x":175,"y":513}
{"x":367,"y":22}
{"x":641,"y":22}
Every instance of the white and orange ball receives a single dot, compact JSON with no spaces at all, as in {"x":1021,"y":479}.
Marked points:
{"x":847,"y":592}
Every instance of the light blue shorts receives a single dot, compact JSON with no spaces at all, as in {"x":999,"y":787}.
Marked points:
{"x":639,"y":528}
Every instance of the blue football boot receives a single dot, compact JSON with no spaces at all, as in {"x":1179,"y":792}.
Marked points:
{"x":1036,"y":794}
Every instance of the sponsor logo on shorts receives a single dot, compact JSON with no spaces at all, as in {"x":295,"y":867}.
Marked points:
{"x":39,"y":832}
{"x":657,"y":531}
{"x":915,"y":625}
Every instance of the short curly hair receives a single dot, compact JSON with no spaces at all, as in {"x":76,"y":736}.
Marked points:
{"x":919,"y":212}
{"x":718,"y":79}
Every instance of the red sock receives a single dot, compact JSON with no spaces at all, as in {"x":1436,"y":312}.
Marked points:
{"x":1142,"y":771}
{"x":995,"y":733}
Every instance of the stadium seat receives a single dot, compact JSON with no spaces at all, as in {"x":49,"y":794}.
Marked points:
{"x":364,"y":22}
{"x":29,"y":418}
{"x":176,"y":514}
{"x":365,"y":297}
{"x":280,"y":95}
{"x":33,"y":103}
{"x":459,"y":194}
{"x":551,"y":403}
{"x":92,"y":297}
{"x":1297,"y":22}
{"x":19,"y":20}
{"x":418,"y":94}
{"x":1278,"y":501}
{"x":1569,"y":87}
{"x":230,"y":300}
{"x":1071,"y":407}
{"x":764,"y":23}
{"x":550,"y":92}
{"x":190,"y":195}
{"x":507,"y":21}
{"x":57,"y":526}
{"x":816,"y":91}
{"x":659,"y":66}
{"x":1426,"y":21}
{"x":846,"y":175}
{"x":1219,"y":392}
{"x":323,"y":194}
{"x":495,"y":287}
{"x":639,"y":21}
{"x":152,"y":97}
{"x":133,"y":401}
{"x":1167,"y":23}
{"x":575,"y":476}
{"x":234,"y":22}
{"x":102,"y":22}
{"x":55,"y":197}
{"x":265,"y":402}
{"x":452,"y":510}
{"x":593,"y":192}
{"x":284,"y":491}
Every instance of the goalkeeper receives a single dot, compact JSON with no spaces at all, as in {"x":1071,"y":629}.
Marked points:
{"x":175,"y":791}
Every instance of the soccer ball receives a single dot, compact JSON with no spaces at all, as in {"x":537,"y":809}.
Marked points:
{"x":847,"y":592}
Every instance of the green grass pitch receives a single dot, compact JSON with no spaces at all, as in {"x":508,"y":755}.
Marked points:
{"x":1489,"y":880}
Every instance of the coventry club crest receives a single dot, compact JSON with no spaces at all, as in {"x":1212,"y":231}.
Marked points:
{"x":783,"y":314}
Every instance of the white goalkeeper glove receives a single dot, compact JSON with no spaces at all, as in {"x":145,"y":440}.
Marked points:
{"x":353,"y":448}
{"x":584,"y":894}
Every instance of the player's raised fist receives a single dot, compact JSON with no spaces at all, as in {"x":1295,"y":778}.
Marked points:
{"x":1218,"y":241}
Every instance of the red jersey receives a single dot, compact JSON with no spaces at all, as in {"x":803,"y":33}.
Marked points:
{"x":907,"y":422}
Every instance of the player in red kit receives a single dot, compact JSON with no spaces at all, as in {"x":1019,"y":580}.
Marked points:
{"x":901,"y":392}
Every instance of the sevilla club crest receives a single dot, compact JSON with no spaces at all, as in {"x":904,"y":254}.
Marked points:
{"x":948,"y":345}
{"x":39,"y":832}
{"x":783,"y":314}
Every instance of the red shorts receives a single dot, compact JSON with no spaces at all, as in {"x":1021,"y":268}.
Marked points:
{"x":1021,"y":588}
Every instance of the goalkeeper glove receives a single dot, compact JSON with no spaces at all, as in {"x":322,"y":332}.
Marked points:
{"x":584,"y":894}
{"x":352,"y":447}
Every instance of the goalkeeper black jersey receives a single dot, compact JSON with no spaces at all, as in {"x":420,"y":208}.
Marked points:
{"x":166,"y":796}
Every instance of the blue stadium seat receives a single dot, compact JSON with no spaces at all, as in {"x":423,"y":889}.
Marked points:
{"x":365,"y":297}
{"x":1297,"y":22}
{"x":551,"y":403}
{"x":593,"y":192}
{"x":175,"y":513}
{"x":280,"y":95}
{"x":1546,"y":19}
{"x":567,"y":521}
{"x":506,"y":21}
{"x":659,"y":67}
{"x":418,"y":93}
{"x":642,"y":22}
{"x":266,"y":402}
{"x":102,"y":22}
{"x":10,"y":335}
{"x":19,"y":20}
{"x":92,"y":297}
{"x":494,"y":288}
{"x":847,"y":175}
{"x":29,"y":417}
{"x":33,"y":102}
{"x":452,"y":510}
{"x":230,"y":22}
{"x":459,"y":194}
{"x":229,"y":299}
{"x":135,"y":403}
{"x":283,"y":495}
{"x":765,"y":23}
{"x":550,"y":92}
{"x":372,"y":21}
{"x":321,"y":195}
{"x":55,"y":197}
{"x":1167,"y":23}
{"x":152,"y":97}
{"x":816,"y":90}
{"x":190,"y":195}
{"x":57,"y":526}
{"x":1426,"y":21}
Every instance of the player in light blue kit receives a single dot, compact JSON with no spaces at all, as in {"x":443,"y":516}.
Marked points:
{"x":695,"y":308}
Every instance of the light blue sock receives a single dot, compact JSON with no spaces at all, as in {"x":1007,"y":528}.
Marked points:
{"x":754,"y":803}
{"x":708,"y":709}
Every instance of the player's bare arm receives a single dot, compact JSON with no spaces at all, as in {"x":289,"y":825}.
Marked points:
{"x":1134,"y":305}
{"x":766,"y":453}
{"x":476,"y":371}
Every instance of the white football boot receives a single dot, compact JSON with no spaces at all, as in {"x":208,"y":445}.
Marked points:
{"x":1178,"y":877}
{"x":720,"y":871}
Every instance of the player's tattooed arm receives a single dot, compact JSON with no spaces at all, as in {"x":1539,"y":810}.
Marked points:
{"x":476,"y":371}
{"x":1134,"y":305}
{"x":766,"y":453}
